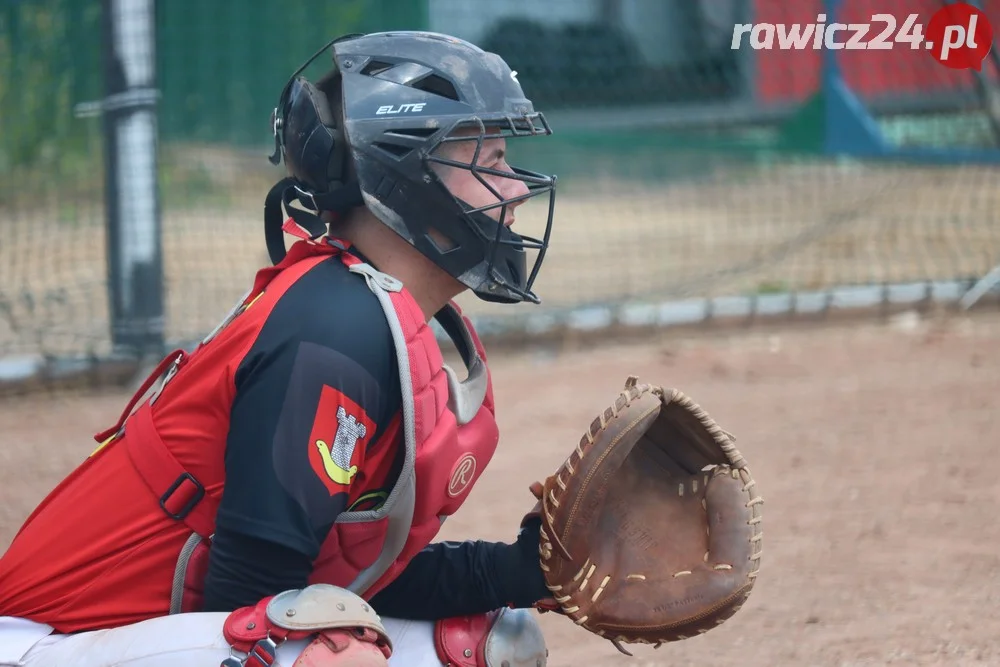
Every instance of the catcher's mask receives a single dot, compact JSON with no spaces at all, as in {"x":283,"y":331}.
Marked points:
{"x":374,"y":132}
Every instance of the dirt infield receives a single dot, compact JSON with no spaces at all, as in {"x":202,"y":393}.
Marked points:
{"x":872,"y":446}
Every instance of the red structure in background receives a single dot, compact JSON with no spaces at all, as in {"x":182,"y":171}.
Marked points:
{"x":794,"y":75}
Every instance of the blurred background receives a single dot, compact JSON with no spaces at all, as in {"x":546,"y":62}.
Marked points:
{"x":697,"y":181}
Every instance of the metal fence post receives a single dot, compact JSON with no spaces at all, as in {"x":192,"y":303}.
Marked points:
{"x":134,"y":236}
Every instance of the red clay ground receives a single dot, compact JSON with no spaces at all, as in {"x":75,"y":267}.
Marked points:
{"x":872,"y":446}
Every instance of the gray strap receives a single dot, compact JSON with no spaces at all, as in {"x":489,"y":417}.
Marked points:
{"x":400,"y":521}
{"x":399,"y":506}
{"x":230,"y":316}
{"x":180,"y":572}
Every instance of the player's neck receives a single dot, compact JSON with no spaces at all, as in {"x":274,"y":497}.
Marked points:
{"x":429,"y":286}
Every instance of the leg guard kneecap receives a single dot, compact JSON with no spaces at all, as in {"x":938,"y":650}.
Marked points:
{"x":502,"y":637}
{"x":343,"y":628}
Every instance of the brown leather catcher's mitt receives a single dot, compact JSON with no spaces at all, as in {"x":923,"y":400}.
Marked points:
{"x":651,"y":528}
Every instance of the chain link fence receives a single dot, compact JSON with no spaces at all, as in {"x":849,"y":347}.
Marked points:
{"x":690,"y":172}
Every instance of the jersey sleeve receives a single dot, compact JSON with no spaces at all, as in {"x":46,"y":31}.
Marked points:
{"x":312,"y":397}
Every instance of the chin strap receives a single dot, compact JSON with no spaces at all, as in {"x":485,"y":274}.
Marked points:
{"x":288,"y":190}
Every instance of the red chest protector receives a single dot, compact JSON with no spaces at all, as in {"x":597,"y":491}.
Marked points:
{"x":449,"y":429}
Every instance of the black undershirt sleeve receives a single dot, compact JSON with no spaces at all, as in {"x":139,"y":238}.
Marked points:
{"x":244,"y":570}
{"x":446,"y":579}
{"x":459,"y":578}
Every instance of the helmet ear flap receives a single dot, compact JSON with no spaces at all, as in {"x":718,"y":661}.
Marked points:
{"x":314,"y":145}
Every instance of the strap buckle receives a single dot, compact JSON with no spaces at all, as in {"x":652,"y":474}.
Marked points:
{"x":307,"y":198}
{"x":199,"y":493}
{"x":263,"y":654}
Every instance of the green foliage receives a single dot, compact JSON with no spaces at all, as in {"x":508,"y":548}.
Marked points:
{"x":222,"y":64}
{"x":49,"y":62}
{"x":220,"y":67}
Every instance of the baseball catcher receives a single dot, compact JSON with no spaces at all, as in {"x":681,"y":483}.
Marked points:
{"x":272,"y":497}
